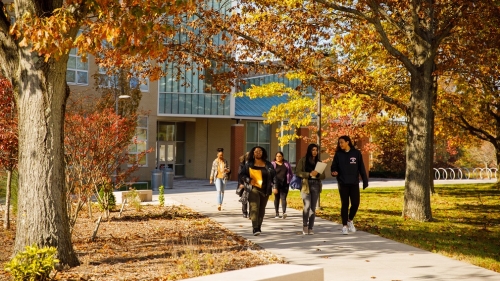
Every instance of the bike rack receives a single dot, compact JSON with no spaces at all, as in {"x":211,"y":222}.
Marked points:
{"x":465,"y":173}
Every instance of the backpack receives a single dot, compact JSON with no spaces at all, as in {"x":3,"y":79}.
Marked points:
{"x":296,"y":183}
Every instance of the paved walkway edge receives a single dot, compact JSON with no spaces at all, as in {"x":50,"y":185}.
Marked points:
{"x":357,"y":256}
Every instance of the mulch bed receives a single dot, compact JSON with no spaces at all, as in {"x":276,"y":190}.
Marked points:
{"x":154,"y":243}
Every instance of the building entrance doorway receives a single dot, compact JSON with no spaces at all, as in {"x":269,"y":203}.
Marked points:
{"x":170,"y":147}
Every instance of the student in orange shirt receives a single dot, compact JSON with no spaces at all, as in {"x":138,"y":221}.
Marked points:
{"x":220,"y":174}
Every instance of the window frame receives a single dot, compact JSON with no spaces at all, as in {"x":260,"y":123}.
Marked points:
{"x":251,"y":144}
{"x":74,"y":54}
{"x":135,"y":150}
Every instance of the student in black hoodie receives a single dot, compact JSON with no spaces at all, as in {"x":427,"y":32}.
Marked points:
{"x":347,"y":166}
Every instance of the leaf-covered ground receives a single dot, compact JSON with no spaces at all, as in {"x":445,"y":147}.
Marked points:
{"x":156,"y":243}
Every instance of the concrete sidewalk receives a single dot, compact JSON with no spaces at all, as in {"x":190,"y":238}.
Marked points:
{"x":357,"y":256}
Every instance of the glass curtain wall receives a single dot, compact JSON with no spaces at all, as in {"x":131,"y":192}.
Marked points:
{"x":183,"y":92}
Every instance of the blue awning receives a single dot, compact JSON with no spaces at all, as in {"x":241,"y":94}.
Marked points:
{"x":246,"y":107}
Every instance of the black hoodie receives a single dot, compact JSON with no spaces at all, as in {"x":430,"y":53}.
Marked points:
{"x":350,"y":166}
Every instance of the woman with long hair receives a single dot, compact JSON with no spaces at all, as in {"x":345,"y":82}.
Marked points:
{"x":219,"y":175}
{"x":311,"y":186}
{"x":260,"y":177}
{"x":347,"y":166}
{"x":284,"y":174}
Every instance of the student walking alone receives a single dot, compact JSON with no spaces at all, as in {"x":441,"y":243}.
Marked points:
{"x":284,"y":175}
{"x":347,"y":166}
{"x":219,"y":174}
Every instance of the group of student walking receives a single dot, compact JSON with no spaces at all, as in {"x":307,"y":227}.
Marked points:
{"x":258,"y":178}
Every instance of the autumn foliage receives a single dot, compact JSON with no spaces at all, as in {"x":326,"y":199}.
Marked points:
{"x":95,"y":152}
{"x":8,"y":140}
{"x":8,"y":127}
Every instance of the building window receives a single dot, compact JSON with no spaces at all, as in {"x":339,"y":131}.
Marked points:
{"x":139,"y":142}
{"x":108,"y":81}
{"x":259,"y":134}
{"x":77,"y":71}
{"x":143,"y":85}
{"x":187,"y":96}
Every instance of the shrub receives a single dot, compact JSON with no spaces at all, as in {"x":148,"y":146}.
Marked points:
{"x":134,"y":199}
{"x":390,"y":159}
{"x":33,"y":263}
{"x":107,"y":200}
{"x":161,"y":197}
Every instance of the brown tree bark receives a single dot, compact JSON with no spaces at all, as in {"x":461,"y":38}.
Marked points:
{"x":418,"y":179}
{"x":40,"y":88}
{"x":42,"y":205}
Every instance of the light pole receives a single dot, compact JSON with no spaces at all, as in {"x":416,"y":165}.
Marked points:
{"x":116,"y":101}
{"x":115,"y":173}
{"x":327,"y":61}
{"x":319,"y":142}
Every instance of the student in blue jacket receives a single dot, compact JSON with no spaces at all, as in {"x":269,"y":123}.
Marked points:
{"x":347,"y":166}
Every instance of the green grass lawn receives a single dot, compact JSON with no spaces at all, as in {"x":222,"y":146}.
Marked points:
{"x":465,"y":226}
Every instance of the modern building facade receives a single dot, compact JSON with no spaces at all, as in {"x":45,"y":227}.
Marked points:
{"x":186,"y":126}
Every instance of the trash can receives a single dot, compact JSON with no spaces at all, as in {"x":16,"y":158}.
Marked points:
{"x":155,"y":179}
{"x":168,"y":178}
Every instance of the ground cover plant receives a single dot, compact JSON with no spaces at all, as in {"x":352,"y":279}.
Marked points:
{"x":466,"y":223}
{"x":155,"y":243}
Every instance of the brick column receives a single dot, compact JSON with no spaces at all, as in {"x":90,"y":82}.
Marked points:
{"x":301,"y":145}
{"x":366,"y":156}
{"x":237,"y":148}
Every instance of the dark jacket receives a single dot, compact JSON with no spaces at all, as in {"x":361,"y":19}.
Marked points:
{"x":300,"y":170}
{"x":241,"y":191}
{"x":350,"y":166}
{"x":240,"y":172}
{"x":289,"y":170}
{"x":271,"y":179}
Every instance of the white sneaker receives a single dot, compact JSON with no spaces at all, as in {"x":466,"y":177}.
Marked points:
{"x":350,"y":226}
{"x":284,"y":215}
{"x":344,"y":230}
{"x":305,"y":231}
{"x":277,"y":216}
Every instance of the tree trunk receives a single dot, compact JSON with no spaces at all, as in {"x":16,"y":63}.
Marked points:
{"x":497,"y":153}
{"x":418,"y":182}
{"x":6,"y":221}
{"x":90,"y":207}
{"x":42,"y":208}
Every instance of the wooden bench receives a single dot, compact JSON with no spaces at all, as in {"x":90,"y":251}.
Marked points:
{"x":144,"y":195}
{"x":271,"y":272}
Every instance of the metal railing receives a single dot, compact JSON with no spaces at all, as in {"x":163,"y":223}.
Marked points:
{"x":465,"y":173}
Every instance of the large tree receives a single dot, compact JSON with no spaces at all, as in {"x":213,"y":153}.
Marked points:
{"x":476,"y":107}
{"x":418,"y":41}
{"x":33,"y":56}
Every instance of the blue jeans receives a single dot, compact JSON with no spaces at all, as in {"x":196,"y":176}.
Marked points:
{"x":310,"y":200}
{"x":220,"y":185}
